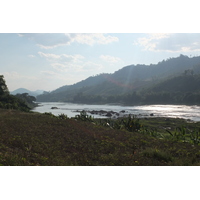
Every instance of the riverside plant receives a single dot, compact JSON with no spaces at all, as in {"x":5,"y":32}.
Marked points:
{"x":62,"y":116}
{"x":151,"y":132}
{"x":49,"y":114}
{"x":84,"y":117}
{"x":179,"y":134}
{"x":186,"y":135}
{"x":131,"y":123}
{"x":195,"y":136}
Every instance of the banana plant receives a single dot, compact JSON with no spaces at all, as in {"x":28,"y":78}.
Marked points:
{"x":195,"y":136}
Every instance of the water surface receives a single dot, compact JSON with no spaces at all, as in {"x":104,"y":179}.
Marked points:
{"x":174,"y":111}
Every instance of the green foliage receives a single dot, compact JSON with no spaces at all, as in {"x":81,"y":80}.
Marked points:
{"x":195,"y":136}
{"x":8,"y":101}
{"x":185,"y":135}
{"x":179,"y":134}
{"x":27,"y":99}
{"x":62,"y":116}
{"x":84,"y":117}
{"x":150,"y":132}
{"x":49,"y":114}
{"x":11,"y":102}
{"x":3,"y":86}
{"x":131,"y":124}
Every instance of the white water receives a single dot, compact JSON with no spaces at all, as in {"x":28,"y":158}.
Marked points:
{"x":175,"y":111}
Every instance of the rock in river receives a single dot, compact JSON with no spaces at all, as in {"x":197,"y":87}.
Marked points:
{"x":54,"y":107}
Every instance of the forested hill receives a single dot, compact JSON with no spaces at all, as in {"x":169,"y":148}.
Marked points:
{"x":127,"y":80}
{"x":183,"y":89}
{"x":165,"y":68}
{"x":185,"y":83}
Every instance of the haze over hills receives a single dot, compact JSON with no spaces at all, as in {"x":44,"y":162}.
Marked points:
{"x":23,"y":90}
{"x":129,"y":79}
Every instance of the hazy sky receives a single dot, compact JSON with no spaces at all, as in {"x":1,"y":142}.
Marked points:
{"x":48,"y":61}
{"x":86,"y":38}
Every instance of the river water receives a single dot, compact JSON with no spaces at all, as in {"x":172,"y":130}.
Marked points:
{"x":174,"y":111}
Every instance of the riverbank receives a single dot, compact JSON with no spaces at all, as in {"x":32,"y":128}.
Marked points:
{"x":44,"y":140}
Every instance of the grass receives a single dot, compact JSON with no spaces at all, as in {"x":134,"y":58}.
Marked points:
{"x":30,"y":139}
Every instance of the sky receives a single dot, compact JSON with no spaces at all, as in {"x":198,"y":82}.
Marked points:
{"x":47,"y":61}
{"x":44,"y":46}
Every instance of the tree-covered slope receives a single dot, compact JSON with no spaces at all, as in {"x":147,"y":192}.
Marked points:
{"x":184,"y":83}
{"x":126,"y":80}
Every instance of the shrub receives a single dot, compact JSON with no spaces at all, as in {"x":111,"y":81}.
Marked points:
{"x":131,"y":124}
{"x":62,"y":116}
{"x":84,"y":117}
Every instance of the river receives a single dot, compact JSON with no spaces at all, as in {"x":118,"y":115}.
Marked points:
{"x":71,"y":109}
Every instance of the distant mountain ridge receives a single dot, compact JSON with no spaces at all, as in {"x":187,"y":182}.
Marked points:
{"x":23,"y":90}
{"x":93,"y":80}
{"x":126,"y":80}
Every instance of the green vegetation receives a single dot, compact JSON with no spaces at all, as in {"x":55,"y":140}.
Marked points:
{"x":84,"y":117}
{"x":22,"y":102}
{"x":3,"y":86}
{"x":27,"y":99}
{"x":47,"y":140}
{"x":11,"y":102}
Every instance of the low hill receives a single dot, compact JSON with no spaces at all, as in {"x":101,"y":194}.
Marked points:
{"x":23,"y":90}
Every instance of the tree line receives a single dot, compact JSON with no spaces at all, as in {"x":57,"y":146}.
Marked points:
{"x":141,"y":98}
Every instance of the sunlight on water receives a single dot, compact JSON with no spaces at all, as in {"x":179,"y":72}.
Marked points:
{"x":159,"y":107}
{"x":175,"y":111}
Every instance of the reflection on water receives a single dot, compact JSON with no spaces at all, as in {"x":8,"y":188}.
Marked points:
{"x":70,"y":109}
